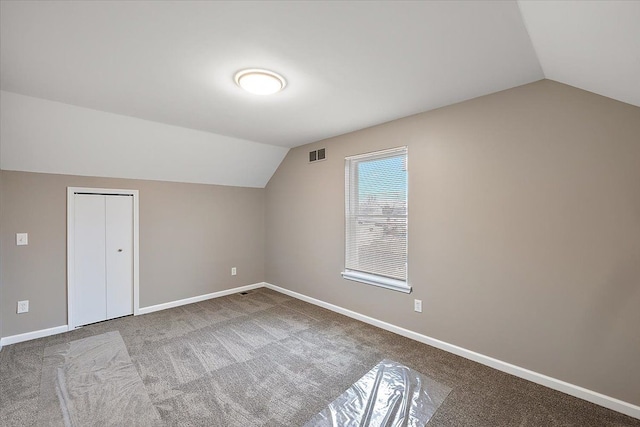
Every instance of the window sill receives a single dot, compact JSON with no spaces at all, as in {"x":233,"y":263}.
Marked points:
{"x":372,"y":279}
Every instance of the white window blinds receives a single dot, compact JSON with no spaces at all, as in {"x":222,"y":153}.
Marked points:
{"x":376,"y":218}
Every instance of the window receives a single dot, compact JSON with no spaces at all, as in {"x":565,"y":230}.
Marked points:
{"x":376,"y":219}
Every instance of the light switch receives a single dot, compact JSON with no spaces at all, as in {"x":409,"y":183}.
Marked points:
{"x":22,"y":239}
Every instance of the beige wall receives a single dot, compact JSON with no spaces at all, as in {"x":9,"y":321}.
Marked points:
{"x":190,"y":237}
{"x":524,"y":231}
{"x":1,"y":291}
{"x":524,"y":239}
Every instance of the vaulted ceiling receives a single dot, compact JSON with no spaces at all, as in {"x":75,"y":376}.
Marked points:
{"x":592,"y":45}
{"x":349,"y":64}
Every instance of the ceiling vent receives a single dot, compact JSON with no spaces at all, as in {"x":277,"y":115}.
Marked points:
{"x":317,"y":155}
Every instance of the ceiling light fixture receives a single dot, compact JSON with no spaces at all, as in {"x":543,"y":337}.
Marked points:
{"x":260,"y":82}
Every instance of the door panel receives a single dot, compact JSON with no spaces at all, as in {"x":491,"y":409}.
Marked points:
{"x":89,"y":300}
{"x":119,"y":255}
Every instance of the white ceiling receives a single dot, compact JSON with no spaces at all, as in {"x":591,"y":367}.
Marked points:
{"x":593,"y":45}
{"x":349,"y":64}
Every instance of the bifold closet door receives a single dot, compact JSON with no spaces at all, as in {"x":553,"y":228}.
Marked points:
{"x":103,"y":264}
{"x":119,"y":256}
{"x":89,"y":300}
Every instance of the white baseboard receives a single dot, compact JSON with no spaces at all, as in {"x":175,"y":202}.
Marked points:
{"x":191,"y":300}
{"x":14,"y":339}
{"x":571,"y":389}
{"x":565,"y":387}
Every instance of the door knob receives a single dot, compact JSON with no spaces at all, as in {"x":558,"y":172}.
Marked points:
{"x":119,"y":250}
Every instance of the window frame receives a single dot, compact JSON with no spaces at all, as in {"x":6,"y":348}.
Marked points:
{"x":351,"y":176}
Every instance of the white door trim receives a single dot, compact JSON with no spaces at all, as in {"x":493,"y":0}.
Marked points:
{"x":71,"y":191}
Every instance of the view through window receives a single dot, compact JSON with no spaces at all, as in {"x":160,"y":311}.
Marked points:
{"x":376,"y":218}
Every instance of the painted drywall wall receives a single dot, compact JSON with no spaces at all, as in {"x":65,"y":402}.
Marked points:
{"x":1,"y":292}
{"x":190,"y":237}
{"x":524,"y":231}
{"x":44,"y":136}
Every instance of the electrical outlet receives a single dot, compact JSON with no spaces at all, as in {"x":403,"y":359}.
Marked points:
{"x":23,"y":306}
{"x":233,"y":271}
{"x":417,"y":305}
{"x":22,"y":239}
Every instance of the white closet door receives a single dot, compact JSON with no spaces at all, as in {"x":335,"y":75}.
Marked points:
{"x":119,"y":255}
{"x":89,"y":302}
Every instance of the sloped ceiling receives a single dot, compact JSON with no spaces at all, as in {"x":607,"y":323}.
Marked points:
{"x":592,"y":45}
{"x":349,"y":64}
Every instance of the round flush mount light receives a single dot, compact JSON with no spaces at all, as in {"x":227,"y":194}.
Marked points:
{"x":260,"y":82}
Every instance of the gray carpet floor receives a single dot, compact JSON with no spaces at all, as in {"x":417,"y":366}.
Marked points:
{"x":265,"y":359}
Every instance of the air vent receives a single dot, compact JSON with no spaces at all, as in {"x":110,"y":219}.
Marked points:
{"x":317,"y":155}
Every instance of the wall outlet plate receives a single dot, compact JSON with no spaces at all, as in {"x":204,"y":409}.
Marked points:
{"x":234,"y":271}
{"x":23,"y":306}
{"x":417,"y":305}
{"x":22,"y":239}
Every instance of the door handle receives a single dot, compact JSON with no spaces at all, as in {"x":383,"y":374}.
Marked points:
{"x":119,"y":250}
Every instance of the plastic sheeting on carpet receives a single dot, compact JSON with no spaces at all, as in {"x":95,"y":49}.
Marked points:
{"x":389,"y":395}
{"x":92,"y":382}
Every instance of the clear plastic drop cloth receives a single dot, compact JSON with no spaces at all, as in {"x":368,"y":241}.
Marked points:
{"x":389,"y":395}
{"x":92,"y":382}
